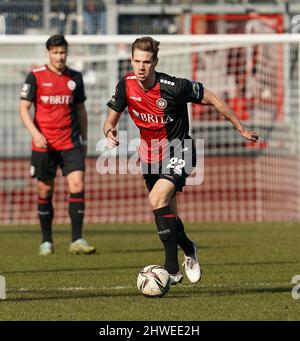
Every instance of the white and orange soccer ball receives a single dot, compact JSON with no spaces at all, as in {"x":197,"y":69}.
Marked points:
{"x":153,"y":281}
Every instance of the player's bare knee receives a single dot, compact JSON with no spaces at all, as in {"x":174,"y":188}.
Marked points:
{"x":157,"y":201}
{"x":45,"y":191}
{"x":77,"y":187}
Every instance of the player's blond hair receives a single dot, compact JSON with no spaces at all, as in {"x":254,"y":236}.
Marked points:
{"x":146,"y":44}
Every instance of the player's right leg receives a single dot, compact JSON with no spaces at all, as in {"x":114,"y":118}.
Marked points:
{"x":46,"y":214}
{"x":43,"y":167}
{"x":165,"y":219}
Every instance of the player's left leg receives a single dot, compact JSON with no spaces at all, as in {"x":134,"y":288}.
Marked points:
{"x":182,"y":239}
{"x":72,"y":165}
{"x":165,"y":219}
{"x":76,"y":212}
{"x":76,"y":202}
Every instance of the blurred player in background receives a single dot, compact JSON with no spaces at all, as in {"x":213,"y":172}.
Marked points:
{"x":157,"y":103}
{"x":59,"y":138}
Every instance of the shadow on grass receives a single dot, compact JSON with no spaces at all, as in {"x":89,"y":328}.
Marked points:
{"x":114,"y":231}
{"x":121,"y":230}
{"x":154,"y":250}
{"x":194,"y":292}
{"x":98,"y":268}
{"x":135,"y":250}
{"x":201,"y":247}
{"x":252,"y":263}
{"x":160,"y":249}
{"x":42,"y":295}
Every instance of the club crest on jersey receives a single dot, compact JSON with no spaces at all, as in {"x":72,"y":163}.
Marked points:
{"x":161,"y":103}
{"x":71,"y":85}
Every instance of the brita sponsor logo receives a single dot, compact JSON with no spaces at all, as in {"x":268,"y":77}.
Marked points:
{"x":153,"y":118}
{"x":67,"y":99}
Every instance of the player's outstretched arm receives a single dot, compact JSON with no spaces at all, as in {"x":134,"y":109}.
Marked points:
{"x":109,"y":128}
{"x":210,"y":98}
{"x":38,"y":138}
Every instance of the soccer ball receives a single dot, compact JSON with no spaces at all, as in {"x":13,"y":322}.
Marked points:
{"x":153,"y":281}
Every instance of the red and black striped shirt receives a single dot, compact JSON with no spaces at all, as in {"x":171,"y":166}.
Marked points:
{"x":55,"y":97}
{"x":160,"y":113}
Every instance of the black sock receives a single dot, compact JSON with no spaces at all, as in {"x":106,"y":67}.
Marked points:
{"x":182,"y":240}
{"x":76,"y":212}
{"x":167,"y":230}
{"x":46,"y":214}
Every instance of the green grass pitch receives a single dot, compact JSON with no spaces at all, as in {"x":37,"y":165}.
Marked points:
{"x":247,"y":273}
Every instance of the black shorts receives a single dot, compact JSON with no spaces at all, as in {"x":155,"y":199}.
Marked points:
{"x":44,"y":164}
{"x":176,"y":168}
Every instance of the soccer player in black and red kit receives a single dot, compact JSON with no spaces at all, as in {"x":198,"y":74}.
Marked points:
{"x":59,"y":138}
{"x":157,"y":103}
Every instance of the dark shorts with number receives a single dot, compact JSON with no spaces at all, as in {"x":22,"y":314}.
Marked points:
{"x":175,"y":168}
{"x":44,"y":164}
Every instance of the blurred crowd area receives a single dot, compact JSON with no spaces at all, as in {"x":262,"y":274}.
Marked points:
{"x":125,"y":16}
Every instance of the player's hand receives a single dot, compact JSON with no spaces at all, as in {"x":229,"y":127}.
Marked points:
{"x":111,"y":138}
{"x":250,"y":135}
{"x":40,"y":140}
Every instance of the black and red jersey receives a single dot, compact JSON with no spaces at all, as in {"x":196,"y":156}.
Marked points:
{"x":55,"y":98}
{"x":160,"y":113}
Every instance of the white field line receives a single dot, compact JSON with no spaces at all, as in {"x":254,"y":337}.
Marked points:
{"x":119,"y":287}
